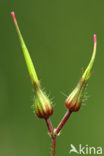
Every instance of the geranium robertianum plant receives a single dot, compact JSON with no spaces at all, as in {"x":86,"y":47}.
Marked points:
{"x":42,"y":104}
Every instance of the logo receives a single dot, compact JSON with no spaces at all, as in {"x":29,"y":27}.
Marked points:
{"x":85,"y":149}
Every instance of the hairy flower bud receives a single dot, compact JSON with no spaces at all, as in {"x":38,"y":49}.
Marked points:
{"x":74,"y":100}
{"x":42,"y":104}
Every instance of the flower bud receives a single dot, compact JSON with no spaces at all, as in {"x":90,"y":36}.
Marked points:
{"x":74,"y":100}
{"x":42,"y":104}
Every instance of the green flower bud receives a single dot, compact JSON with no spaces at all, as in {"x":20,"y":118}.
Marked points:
{"x":42,"y":104}
{"x":74,"y":100}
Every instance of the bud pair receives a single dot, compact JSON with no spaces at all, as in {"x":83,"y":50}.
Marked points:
{"x":43,"y":107}
{"x":74,"y":100}
{"x":42,"y":104}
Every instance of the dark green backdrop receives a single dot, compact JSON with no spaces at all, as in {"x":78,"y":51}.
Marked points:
{"x":59,"y":36}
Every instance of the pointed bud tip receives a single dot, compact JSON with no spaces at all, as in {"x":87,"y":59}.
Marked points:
{"x":95,"y":38}
{"x":13,"y":15}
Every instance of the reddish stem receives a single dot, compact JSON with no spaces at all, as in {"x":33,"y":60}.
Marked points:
{"x":54,"y":134}
{"x":53,"y":137}
{"x":49,"y":125}
{"x":53,"y":145}
{"x":63,"y":121}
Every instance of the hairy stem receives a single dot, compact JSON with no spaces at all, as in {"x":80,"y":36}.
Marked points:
{"x":63,"y":121}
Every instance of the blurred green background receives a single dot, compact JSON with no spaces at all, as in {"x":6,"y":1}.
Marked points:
{"x":59,"y":36}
